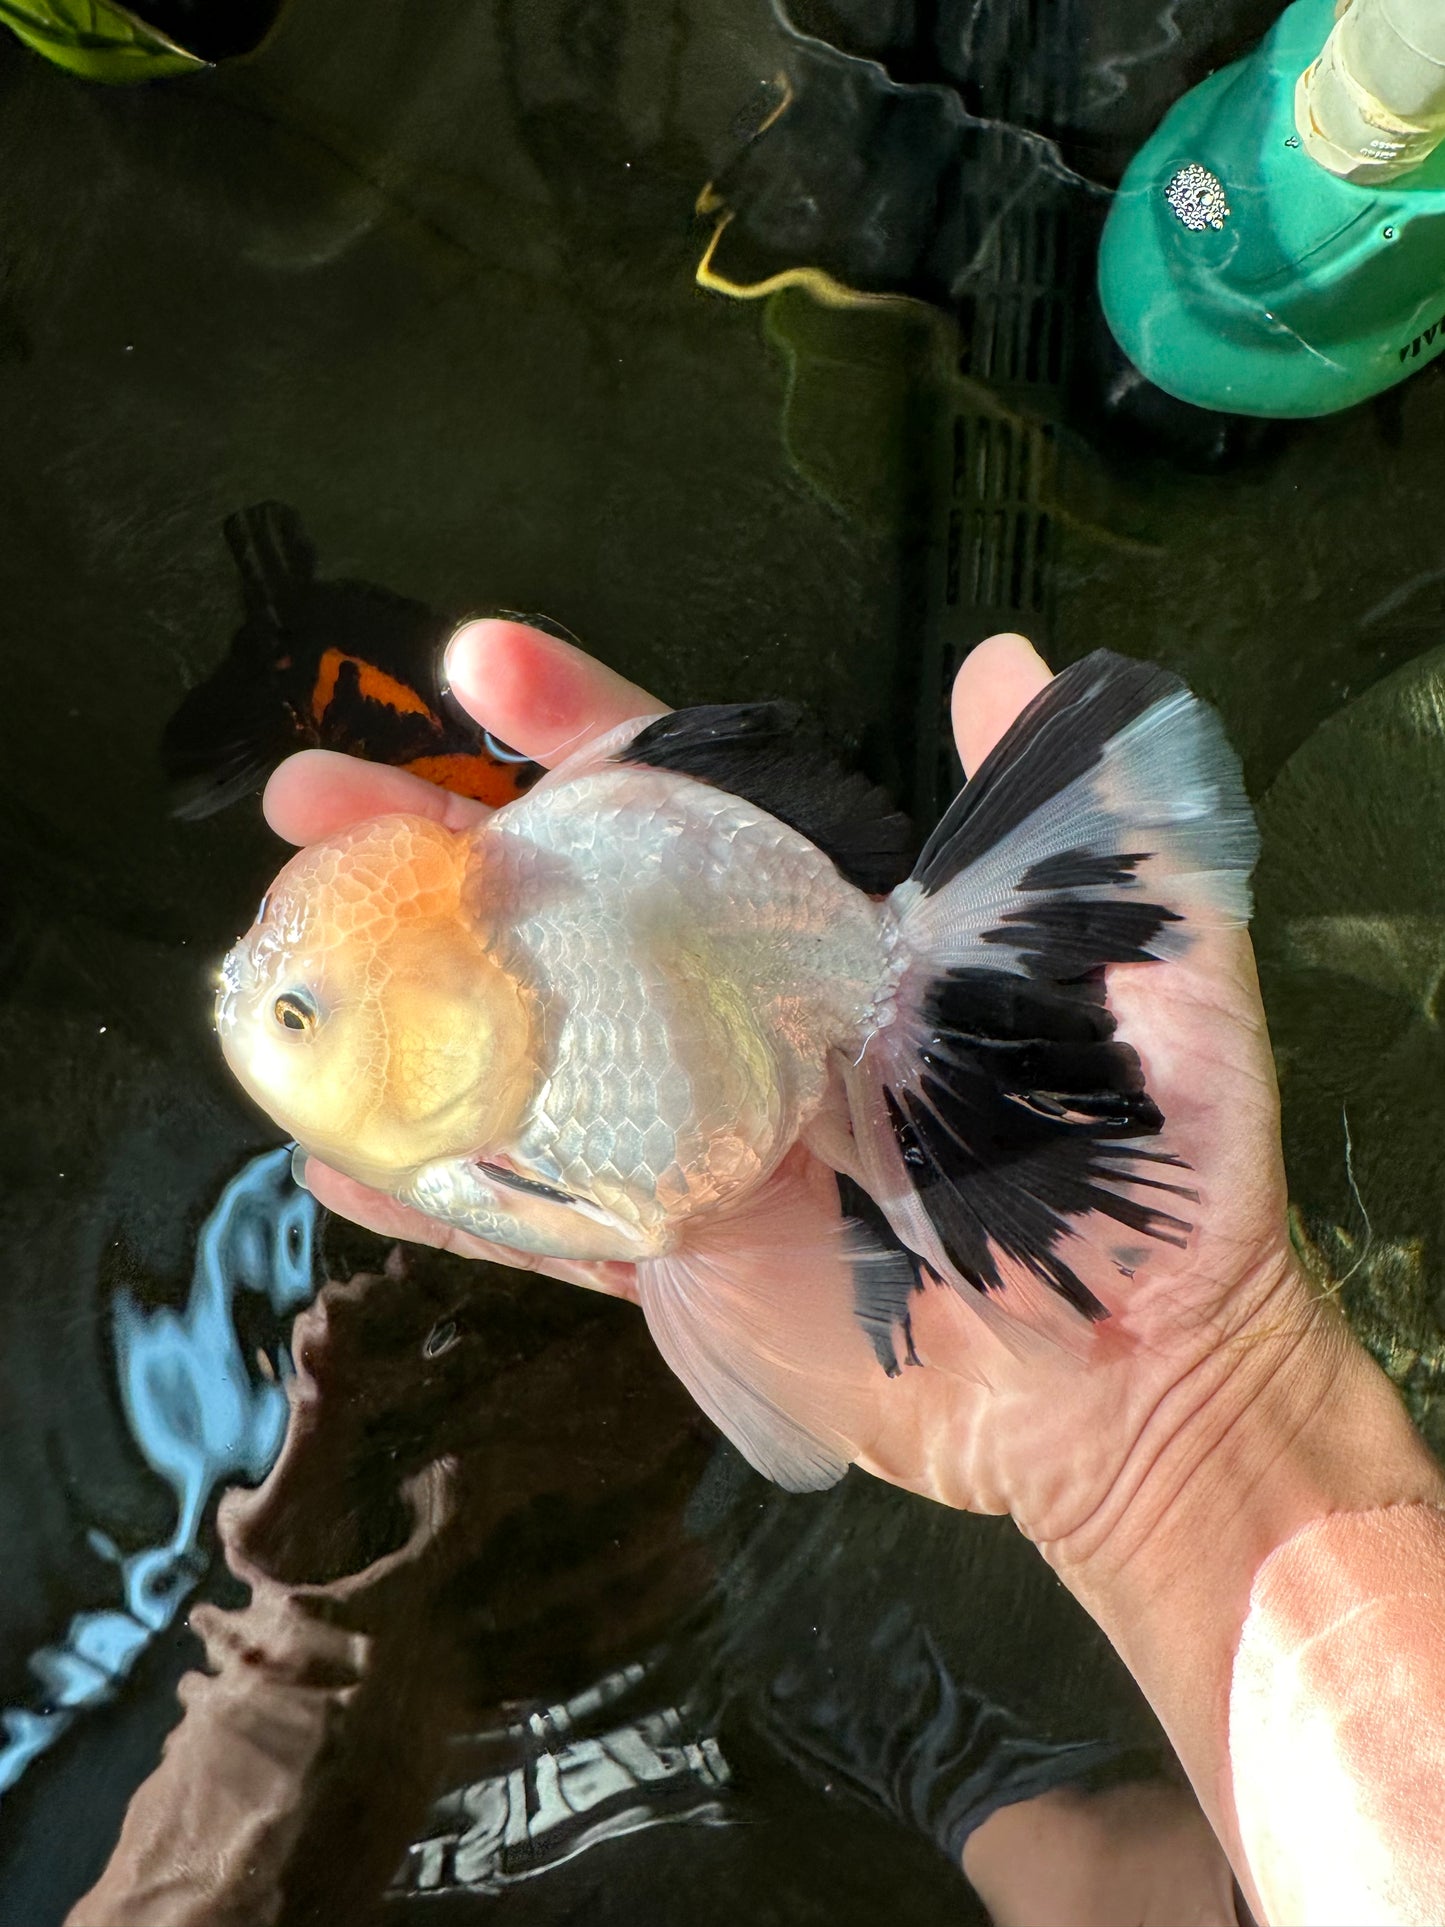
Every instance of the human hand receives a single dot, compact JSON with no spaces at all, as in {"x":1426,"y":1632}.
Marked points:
{"x":1063,"y":1438}
{"x":1161,"y":1457}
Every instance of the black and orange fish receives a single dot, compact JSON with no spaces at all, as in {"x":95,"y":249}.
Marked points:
{"x":336,"y":665}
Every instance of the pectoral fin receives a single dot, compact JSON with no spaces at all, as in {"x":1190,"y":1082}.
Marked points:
{"x":510,"y":1208}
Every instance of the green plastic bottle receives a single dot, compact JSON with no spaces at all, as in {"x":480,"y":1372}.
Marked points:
{"x":1239,"y":273}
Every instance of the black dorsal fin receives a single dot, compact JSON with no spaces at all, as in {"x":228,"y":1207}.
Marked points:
{"x":775,"y":756}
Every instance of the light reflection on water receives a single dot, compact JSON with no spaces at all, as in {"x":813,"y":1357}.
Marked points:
{"x":201,"y":1414}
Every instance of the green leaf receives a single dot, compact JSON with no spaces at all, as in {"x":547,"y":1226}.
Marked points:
{"x":96,"y":40}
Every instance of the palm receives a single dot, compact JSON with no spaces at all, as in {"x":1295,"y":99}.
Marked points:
{"x":1041,"y":1431}
{"x":1037,"y":1430}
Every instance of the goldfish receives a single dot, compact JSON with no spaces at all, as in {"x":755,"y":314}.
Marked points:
{"x":631,"y":1015}
{"x":340,"y":665}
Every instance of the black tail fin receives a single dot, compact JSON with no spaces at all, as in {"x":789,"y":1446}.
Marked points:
{"x":998,"y":1109}
{"x":230,"y":729}
{"x":275,"y":557}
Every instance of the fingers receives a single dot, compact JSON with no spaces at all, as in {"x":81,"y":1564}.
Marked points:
{"x":998,"y":679}
{"x":375,"y":1211}
{"x":316,"y":793}
{"x":541,"y":695}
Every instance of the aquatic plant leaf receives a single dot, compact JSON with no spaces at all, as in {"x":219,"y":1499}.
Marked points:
{"x":96,"y":40}
{"x":1350,"y":932}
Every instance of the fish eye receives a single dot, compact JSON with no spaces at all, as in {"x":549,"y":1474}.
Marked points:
{"x":294,"y":1009}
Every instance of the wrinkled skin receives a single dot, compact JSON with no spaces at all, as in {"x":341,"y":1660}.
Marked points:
{"x":1062,"y":1442}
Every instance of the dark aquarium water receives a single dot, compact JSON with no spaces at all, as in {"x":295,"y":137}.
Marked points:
{"x":757,"y":348}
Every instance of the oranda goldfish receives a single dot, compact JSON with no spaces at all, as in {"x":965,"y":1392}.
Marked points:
{"x":597,"y":1025}
{"x":319,"y":664}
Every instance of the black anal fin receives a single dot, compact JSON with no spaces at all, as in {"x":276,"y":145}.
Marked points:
{"x":882,"y":1293}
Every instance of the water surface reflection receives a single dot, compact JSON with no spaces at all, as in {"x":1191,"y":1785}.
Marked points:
{"x":202,"y":1414}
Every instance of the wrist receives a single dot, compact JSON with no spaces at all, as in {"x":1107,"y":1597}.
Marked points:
{"x":1336,"y":1740}
{"x":1281,"y":1424}
{"x":1283,"y":1420}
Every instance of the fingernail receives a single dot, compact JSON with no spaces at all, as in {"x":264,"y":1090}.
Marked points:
{"x":448,"y":658}
{"x":457,"y":660}
{"x":299,"y":1161}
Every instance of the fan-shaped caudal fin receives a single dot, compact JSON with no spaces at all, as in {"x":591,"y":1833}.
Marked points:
{"x":1002,"y":1124}
{"x":762,"y":1315}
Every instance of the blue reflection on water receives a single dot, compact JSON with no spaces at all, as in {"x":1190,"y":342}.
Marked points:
{"x":201,"y":1415}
